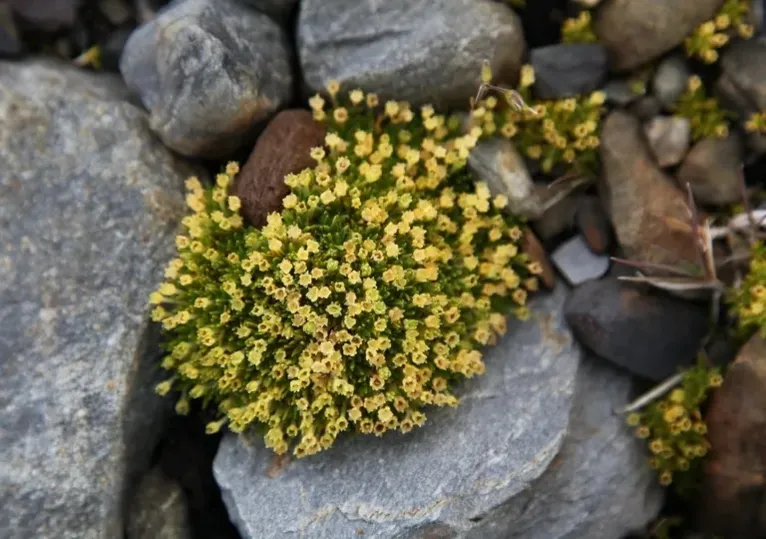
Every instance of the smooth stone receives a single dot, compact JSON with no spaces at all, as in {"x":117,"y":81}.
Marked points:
{"x":577,"y":263}
{"x":158,"y":509}
{"x":496,"y":162}
{"x":532,"y":246}
{"x":638,"y":31}
{"x":567,"y":70}
{"x":46,"y":15}
{"x":446,"y":477}
{"x":712,"y":169}
{"x":421,"y":51}
{"x":733,"y":487}
{"x":91,"y":205}
{"x":283,"y":148}
{"x":640,"y":197}
{"x":593,"y":224}
{"x":557,"y":219}
{"x":645,"y":107}
{"x":647,"y":333}
{"x":209,"y":71}
{"x":669,"y":80}
{"x":668,"y":138}
{"x":10,"y":43}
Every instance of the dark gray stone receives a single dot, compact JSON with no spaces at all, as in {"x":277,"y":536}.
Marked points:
{"x":90,"y":201}
{"x":279,"y":10}
{"x":208,"y":71}
{"x":441,"y":480}
{"x":577,"y":263}
{"x":422,"y":51}
{"x":47,"y":15}
{"x":158,"y":509}
{"x":648,"y":333}
{"x":566,"y":70}
{"x":10,"y":44}
{"x":668,"y":138}
{"x":669,"y":81}
{"x":712,"y":169}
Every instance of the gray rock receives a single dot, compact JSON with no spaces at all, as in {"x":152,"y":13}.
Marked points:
{"x":158,"y":509}
{"x":566,"y":70}
{"x":668,"y":138}
{"x":712,"y":169}
{"x":558,"y":218}
{"x":648,"y":333}
{"x":599,"y":485}
{"x":496,"y":162}
{"x":637,"y":31}
{"x":669,"y":81}
{"x":645,"y":107}
{"x":577,"y":263}
{"x":415,"y":50}
{"x":446,"y":477}
{"x":46,"y":15}
{"x":89,"y":211}
{"x":623,"y":91}
{"x":208,"y":71}
{"x":279,"y":10}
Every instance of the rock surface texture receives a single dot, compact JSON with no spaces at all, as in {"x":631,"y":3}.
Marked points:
{"x":469,"y":472}
{"x":89,"y":204}
{"x":421,"y":51}
{"x":208,"y":71}
{"x":158,"y":509}
{"x":637,"y":31}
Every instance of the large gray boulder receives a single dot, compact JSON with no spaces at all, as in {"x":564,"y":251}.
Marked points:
{"x":422,"y":51}
{"x":208,"y":71}
{"x":89,"y":202}
{"x":533,"y":451}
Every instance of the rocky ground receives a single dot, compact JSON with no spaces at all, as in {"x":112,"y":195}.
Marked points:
{"x":107,"y":106}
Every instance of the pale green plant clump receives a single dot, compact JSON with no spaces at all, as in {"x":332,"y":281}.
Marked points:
{"x":748,"y":300}
{"x":706,"y":116}
{"x":706,"y":40}
{"x":365,"y":300}
{"x":578,"y":29}
{"x":673,"y":427}
{"x":563,"y":132}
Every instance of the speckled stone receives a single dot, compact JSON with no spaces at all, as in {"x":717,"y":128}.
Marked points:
{"x":421,"y":51}
{"x":89,"y":205}
{"x":208,"y":71}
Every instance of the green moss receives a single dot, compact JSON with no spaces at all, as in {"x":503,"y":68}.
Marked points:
{"x":361,"y":303}
{"x":705,"y":114}
{"x":674,"y":429}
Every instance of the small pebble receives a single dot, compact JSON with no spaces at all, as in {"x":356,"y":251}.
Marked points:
{"x":577,"y":263}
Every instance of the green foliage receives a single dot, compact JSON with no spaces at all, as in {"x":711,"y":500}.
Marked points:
{"x":553,"y":132}
{"x":705,"y":41}
{"x":748,"y":300}
{"x":366,"y":299}
{"x":756,"y":123}
{"x":579,"y":29}
{"x":674,"y":428}
{"x":707,"y":117}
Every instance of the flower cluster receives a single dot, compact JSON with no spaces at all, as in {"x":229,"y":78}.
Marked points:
{"x":674,"y":428}
{"x":578,"y":29}
{"x":748,"y":300}
{"x":705,"y":114}
{"x":711,"y":35}
{"x":366,"y":299}
{"x":756,"y":123}
{"x":554,"y":132}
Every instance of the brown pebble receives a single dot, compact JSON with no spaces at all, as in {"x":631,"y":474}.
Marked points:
{"x":532,"y":246}
{"x":282,"y":148}
{"x":594,"y":225}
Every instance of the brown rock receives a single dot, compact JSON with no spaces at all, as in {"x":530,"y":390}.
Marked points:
{"x":649,"y":214}
{"x":532,"y":246}
{"x":712,"y":169}
{"x":594,"y":224}
{"x":282,"y":148}
{"x":734,"y":489}
{"x":636,"y":31}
